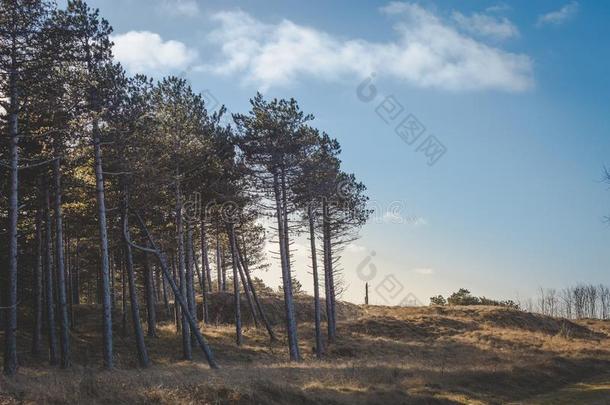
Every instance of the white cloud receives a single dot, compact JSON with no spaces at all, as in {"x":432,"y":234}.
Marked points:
{"x":485,"y":25}
{"x":146,"y":52}
{"x":498,"y":8}
{"x":179,"y":8}
{"x":560,"y":16}
{"x":427,"y":53}
{"x":425,"y":271}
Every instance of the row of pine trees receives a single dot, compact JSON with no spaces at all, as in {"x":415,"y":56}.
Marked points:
{"x":105,"y":174}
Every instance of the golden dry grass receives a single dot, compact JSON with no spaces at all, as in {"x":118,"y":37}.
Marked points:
{"x":459,"y":355}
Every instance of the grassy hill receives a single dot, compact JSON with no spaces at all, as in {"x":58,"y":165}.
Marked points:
{"x":428,"y":355}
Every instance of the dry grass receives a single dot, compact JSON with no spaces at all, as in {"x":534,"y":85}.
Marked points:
{"x":460,"y":355}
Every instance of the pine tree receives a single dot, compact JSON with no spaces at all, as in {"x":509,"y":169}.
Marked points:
{"x":22,"y":32}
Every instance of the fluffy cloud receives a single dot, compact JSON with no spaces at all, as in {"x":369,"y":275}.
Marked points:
{"x":560,"y":16}
{"x":487,"y":26}
{"x":146,"y":52}
{"x":180,"y":8}
{"x":498,"y":8}
{"x":427,"y":53}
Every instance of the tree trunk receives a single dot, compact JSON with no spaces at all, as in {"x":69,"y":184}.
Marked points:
{"x":76,"y":276}
{"x":50,"y":304}
{"x":242,"y":275}
{"x":176,"y":307}
{"x":236,"y":299}
{"x":158,"y":291}
{"x":133,"y":296}
{"x":205,"y":259}
{"x":197,"y":272}
{"x":291,"y":326}
{"x":186,"y":334}
{"x":103,"y":229}
{"x":218,"y":263}
{"x":223,"y":268}
{"x":37,"y":330}
{"x":64,"y":321}
{"x":328,"y":274}
{"x":190,"y":279}
{"x":112,"y":266}
{"x":123,"y":297}
{"x":248,"y":293}
{"x":151,"y":301}
{"x":204,"y":290}
{"x":316,"y":286}
{"x":10,"y":334}
{"x":69,"y":284}
{"x":203,"y":344}
{"x":165,"y":298}
{"x":207,"y":277}
{"x":244,"y":263}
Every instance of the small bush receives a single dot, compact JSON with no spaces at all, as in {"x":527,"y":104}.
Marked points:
{"x":438,"y":300}
{"x":463,"y":297}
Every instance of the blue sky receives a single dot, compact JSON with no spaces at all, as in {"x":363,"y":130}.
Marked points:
{"x":516,"y":92}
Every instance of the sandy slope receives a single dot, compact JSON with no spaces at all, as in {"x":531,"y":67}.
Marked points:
{"x":384,"y":355}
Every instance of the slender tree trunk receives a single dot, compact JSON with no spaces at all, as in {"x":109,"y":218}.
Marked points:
{"x":204,"y":287}
{"x":179,"y":297}
{"x":165,"y":299}
{"x":151,"y":302}
{"x":248,"y":293}
{"x":244,"y":263}
{"x":103,"y":229}
{"x":52,"y":333}
{"x":123,"y":296}
{"x":333,"y":296}
{"x":206,"y":280}
{"x":69,"y":283}
{"x":223,"y":268}
{"x":200,"y":279}
{"x":186,"y":334}
{"x":291,"y":326}
{"x":328,"y":276}
{"x":316,"y":286}
{"x":158,"y":292}
{"x":218,"y":263}
{"x":98,"y":286}
{"x":37,"y":331}
{"x":10,"y":334}
{"x":76,"y":276}
{"x":133,"y":296}
{"x":237,"y":301}
{"x":190,"y":280}
{"x":242,"y":275}
{"x":64,"y":321}
{"x":204,"y":257}
{"x":283,"y":189}
{"x":176,"y":307}
{"x":113,"y":268}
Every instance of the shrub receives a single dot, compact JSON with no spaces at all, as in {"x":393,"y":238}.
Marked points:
{"x":438,"y":300}
{"x":463,"y":297}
